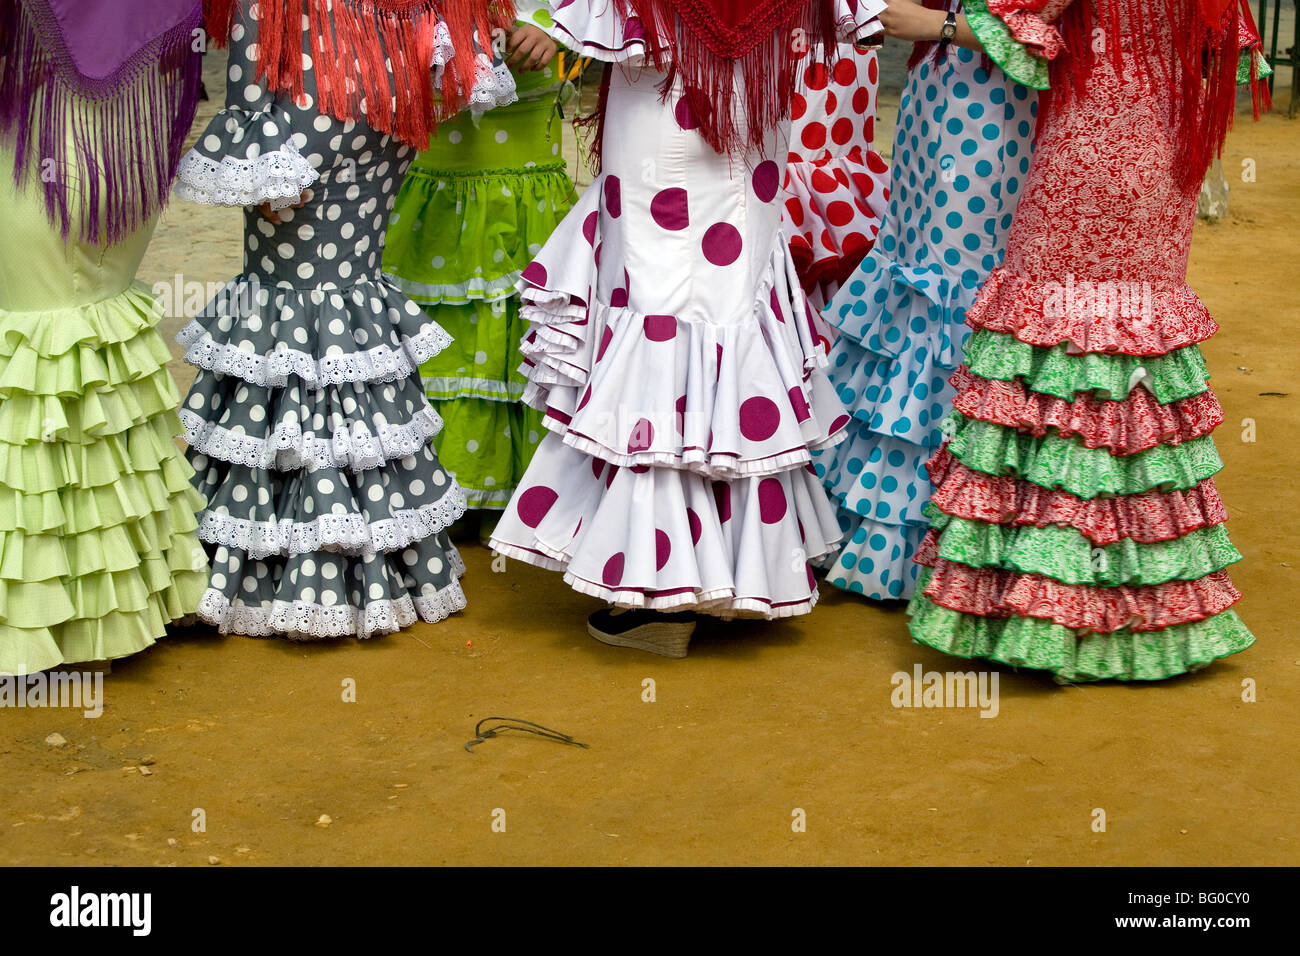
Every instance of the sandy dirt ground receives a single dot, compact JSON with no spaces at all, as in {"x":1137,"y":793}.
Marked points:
{"x":254,"y":740}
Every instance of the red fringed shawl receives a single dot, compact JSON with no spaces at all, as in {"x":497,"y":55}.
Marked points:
{"x":349,"y":46}
{"x":1200,"y":79}
{"x":733,"y":58}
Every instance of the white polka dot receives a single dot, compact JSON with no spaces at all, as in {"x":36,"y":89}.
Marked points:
{"x":500,"y":136}
{"x":439,"y":262}
{"x":306,"y":270}
{"x":239,"y":493}
{"x":471,"y":445}
{"x":212,"y":143}
{"x":376,"y":591}
{"x":454,"y":136}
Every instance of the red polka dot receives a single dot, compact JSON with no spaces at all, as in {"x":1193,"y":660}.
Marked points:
{"x":663,"y":549}
{"x":877,"y":163}
{"x":659,"y":328}
{"x":534,"y":503}
{"x":816,"y":77}
{"x":605,"y":338}
{"x":798,"y":106}
{"x":697,"y":526}
{"x":839,"y":213}
{"x":873,"y":70}
{"x":845,"y":72}
{"x":813,"y":136}
{"x":670,"y":210}
{"x":842,"y":131}
{"x":643,"y":436}
{"x":535,"y":273}
{"x":613,"y":571}
{"x":794,"y":212}
{"x":722,"y":498}
{"x":832,"y":101}
{"x":771,"y":500}
{"x":861,"y":100}
{"x":759,"y":418}
{"x":823,"y":182}
{"x":799,"y":404}
{"x":722,"y":244}
{"x":767,"y":180}
{"x":613,"y":196}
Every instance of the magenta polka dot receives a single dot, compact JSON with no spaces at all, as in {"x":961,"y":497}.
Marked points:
{"x":534,"y":503}
{"x":597,"y":466}
{"x":605,"y":338}
{"x":670,"y":210}
{"x":722,"y":498}
{"x":718,"y":371}
{"x":759,"y":418}
{"x":697,"y":526}
{"x":660,"y":328}
{"x":613,"y":196}
{"x":596,"y":255}
{"x":609,"y":475}
{"x":771,"y":500}
{"x":839,"y":423}
{"x":586,"y":397}
{"x":776,"y":307}
{"x":767,"y":180}
{"x":799,"y":404}
{"x":685,"y":115}
{"x":722,"y":244}
{"x":639,"y":469}
{"x":613,"y":571}
{"x":643,"y":436}
{"x":535,"y":273}
{"x":663,"y":548}
{"x":618,"y":298}
{"x":589,"y":228}
{"x":812,"y":581}
{"x":680,"y":406}
{"x":578,"y":528}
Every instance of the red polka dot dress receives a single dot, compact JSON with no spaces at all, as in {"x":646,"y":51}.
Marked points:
{"x":673,"y":353}
{"x":836,"y":184}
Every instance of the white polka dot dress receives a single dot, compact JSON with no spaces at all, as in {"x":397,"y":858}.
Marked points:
{"x":308,"y":427}
{"x":672,"y":351}
{"x":961,"y":152}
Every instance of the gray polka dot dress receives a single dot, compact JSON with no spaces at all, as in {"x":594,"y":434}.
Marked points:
{"x":308,"y":428}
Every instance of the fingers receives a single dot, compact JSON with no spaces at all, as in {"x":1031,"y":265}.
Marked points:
{"x":273,"y":216}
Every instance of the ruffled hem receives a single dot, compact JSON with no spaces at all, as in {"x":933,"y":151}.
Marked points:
{"x":876,"y":560}
{"x":276,"y":173}
{"x":1056,"y":462}
{"x":352,"y":534}
{"x":1147,"y":517}
{"x":669,"y":539}
{"x":991,"y":592}
{"x":744,"y":398}
{"x":1125,"y":427}
{"x":1177,"y":375}
{"x":307,"y":621}
{"x":325,"y":326}
{"x":600,"y":35}
{"x":833,"y":212}
{"x":1132,"y":318}
{"x":1043,"y":645}
{"x":1067,"y":556}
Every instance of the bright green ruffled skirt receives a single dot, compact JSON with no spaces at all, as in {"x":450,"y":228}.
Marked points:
{"x":471,"y":215}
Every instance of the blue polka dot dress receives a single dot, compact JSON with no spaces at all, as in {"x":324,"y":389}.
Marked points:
{"x":961,"y":152}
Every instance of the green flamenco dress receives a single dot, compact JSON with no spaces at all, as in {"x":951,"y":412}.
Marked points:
{"x":1076,"y":526}
{"x":98,"y":551}
{"x":471,"y":215}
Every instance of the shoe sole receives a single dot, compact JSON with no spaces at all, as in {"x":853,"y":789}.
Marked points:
{"x":666,"y":640}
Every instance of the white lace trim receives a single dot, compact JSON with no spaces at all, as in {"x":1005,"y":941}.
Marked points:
{"x":444,"y":51}
{"x":347,"y":534}
{"x":277,"y":177}
{"x":487,"y":389}
{"x":301,"y":620}
{"x":494,"y":86}
{"x":379,"y":364}
{"x":289,"y":448}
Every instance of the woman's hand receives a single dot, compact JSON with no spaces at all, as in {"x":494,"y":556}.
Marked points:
{"x":908,"y":20}
{"x":530,"y":48}
{"x":273,"y":215}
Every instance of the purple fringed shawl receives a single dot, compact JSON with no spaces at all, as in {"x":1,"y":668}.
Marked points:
{"x":96,"y":99}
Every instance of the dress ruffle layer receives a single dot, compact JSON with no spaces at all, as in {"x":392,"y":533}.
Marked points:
{"x":97,"y":516}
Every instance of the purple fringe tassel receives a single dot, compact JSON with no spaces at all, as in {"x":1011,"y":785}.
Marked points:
{"x":106,"y":151}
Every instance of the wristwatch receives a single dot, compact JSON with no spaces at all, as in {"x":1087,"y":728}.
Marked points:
{"x":948,"y":30}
